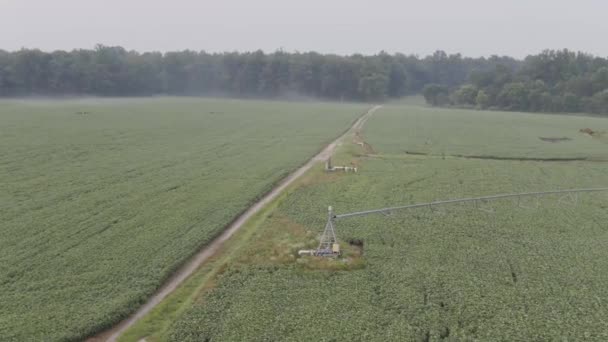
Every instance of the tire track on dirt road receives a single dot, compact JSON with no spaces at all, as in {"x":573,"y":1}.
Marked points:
{"x":209,"y":250}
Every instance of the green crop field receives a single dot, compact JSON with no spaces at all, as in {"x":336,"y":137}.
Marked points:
{"x":101,"y":200}
{"x":438,"y":132}
{"x":526,"y":271}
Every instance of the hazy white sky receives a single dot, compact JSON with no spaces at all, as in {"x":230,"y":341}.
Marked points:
{"x":472,"y":27}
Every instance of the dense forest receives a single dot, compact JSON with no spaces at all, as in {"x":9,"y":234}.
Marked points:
{"x":553,"y":81}
{"x":114,"y":71}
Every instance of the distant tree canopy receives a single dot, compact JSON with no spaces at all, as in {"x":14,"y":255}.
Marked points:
{"x":553,"y":81}
{"x":114,"y":71}
{"x":435,"y":94}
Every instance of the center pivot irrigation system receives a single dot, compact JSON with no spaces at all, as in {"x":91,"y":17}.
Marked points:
{"x":329,"y":247}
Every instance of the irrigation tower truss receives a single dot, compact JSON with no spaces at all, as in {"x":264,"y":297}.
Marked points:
{"x":328,"y":238}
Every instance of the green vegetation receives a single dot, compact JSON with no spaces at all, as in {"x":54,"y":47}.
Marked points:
{"x":485,"y":134}
{"x":101,"y":200}
{"x":155,"y":325}
{"x":553,"y":81}
{"x":459,"y":272}
{"x":114,"y":71}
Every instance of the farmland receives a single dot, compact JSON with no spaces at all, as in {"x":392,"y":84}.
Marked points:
{"x":102,"y":199}
{"x":534,"y":270}
{"x":438,"y":132}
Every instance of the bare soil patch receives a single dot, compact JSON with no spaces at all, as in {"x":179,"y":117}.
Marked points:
{"x":588,"y":131}
{"x":594,"y":134}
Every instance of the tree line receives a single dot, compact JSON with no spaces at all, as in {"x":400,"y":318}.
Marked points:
{"x":114,"y":71}
{"x":552,"y":81}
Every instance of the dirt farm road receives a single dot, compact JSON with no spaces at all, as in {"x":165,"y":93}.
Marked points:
{"x":209,"y":250}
